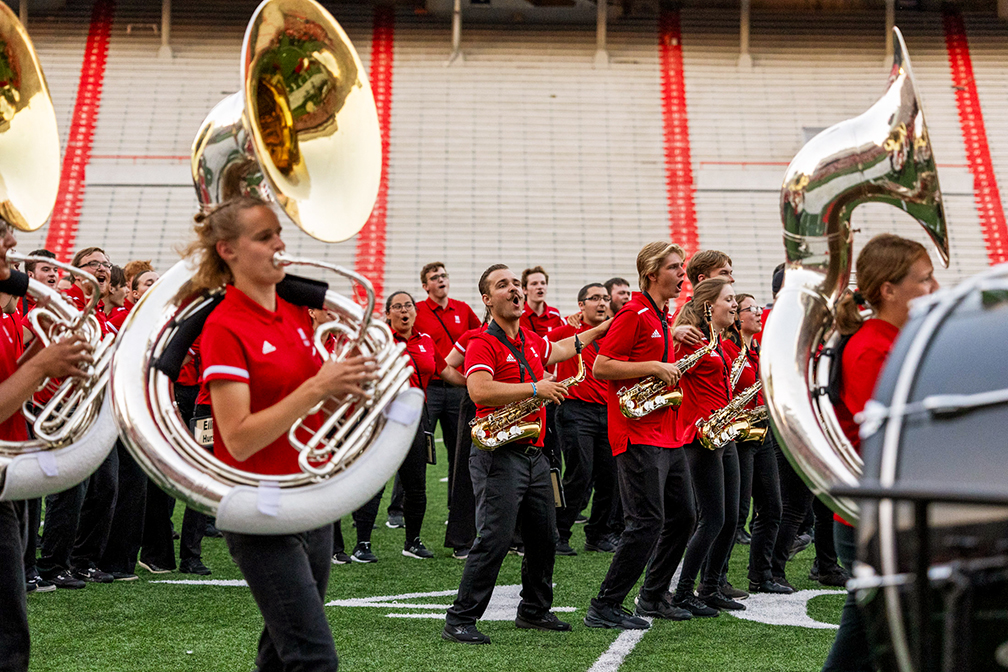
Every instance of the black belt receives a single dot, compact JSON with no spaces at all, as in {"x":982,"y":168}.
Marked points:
{"x":524,"y":448}
{"x":438,"y":382}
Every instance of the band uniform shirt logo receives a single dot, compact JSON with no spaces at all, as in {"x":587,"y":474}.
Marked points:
{"x":268,"y":348}
{"x":510,"y":358}
{"x":656,"y":334}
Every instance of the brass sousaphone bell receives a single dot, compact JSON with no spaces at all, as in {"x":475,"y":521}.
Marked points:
{"x":302,"y":133}
{"x":74,"y":429}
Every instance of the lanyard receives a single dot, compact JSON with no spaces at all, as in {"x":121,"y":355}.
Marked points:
{"x":664,"y":325}
{"x":451,"y":339}
{"x":495,"y":330}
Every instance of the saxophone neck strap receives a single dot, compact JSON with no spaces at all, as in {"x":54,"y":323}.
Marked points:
{"x":497,"y":332}
{"x":663,"y":319}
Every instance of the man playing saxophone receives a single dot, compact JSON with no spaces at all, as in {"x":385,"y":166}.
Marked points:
{"x":654,"y":480}
{"x":505,"y":365}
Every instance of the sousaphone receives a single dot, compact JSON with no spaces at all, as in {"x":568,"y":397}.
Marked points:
{"x":302,"y":133}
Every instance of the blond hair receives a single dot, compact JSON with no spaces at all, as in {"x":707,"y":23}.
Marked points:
{"x":650,"y":260}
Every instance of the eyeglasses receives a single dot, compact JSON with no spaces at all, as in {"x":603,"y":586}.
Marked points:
{"x":97,"y":264}
{"x":755,"y":310}
{"x":396,"y":307}
{"x":597,"y":298}
{"x":437,"y":276}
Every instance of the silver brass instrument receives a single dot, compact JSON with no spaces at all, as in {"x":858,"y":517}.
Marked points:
{"x":505,"y":424}
{"x":74,"y":429}
{"x":738,"y":365}
{"x":884,"y":156}
{"x":302,"y":132}
{"x":651,"y":394}
{"x":730,"y":422}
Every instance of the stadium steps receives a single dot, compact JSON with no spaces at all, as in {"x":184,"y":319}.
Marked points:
{"x":809,"y":72}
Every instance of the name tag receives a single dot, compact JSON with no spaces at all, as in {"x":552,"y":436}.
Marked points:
{"x":202,"y":430}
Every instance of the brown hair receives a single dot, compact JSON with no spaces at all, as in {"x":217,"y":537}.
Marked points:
{"x":703,"y":262}
{"x":694,"y":312}
{"x":432,"y":266}
{"x":79,"y":257}
{"x":214,"y":225}
{"x":484,"y":281}
{"x":886,"y":258}
{"x":650,"y":259}
{"x":532,"y":271}
{"x":30,"y":265}
{"x":136,"y":267}
{"x":116,"y":277}
{"x":739,"y":298}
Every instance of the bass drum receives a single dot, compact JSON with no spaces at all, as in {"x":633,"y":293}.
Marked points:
{"x":936,"y":433}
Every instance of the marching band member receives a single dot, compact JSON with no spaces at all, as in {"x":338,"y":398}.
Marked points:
{"x":715,"y":474}
{"x":400,"y":312}
{"x":443,"y":319}
{"x":263,"y":373}
{"x":583,"y":436}
{"x":654,"y":481}
{"x":17,"y":385}
{"x":505,"y":364}
{"x":891,"y":272}
{"x":619,"y":293}
{"x":538,"y":317}
{"x":707,"y":264}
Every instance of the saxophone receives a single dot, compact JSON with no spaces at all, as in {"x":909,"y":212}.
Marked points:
{"x":652,"y":393}
{"x":505,"y":424}
{"x":738,"y":365}
{"x":731,"y":422}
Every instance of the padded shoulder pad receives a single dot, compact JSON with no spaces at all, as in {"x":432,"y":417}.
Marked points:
{"x":16,"y":284}
{"x":187,"y":331}
{"x":302,"y":291}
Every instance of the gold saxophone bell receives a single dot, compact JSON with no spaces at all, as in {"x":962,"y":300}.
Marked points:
{"x":303,"y":132}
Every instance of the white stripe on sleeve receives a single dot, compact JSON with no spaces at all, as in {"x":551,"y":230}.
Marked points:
{"x":479,"y":367}
{"x":225,"y":370}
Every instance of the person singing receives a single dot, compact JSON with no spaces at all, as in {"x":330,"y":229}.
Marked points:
{"x":263,"y":374}
{"x":715,"y":473}
{"x":505,"y":364}
{"x":654,"y":481}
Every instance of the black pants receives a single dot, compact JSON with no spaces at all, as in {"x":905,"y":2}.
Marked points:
{"x":461,"y":530}
{"x":851,"y":651}
{"x":509,"y":486}
{"x":413,"y":473}
{"x":127,"y":521}
{"x":78,"y":520}
{"x":715,"y":475}
{"x":796,"y":499}
{"x":767,"y":507}
{"x":14,"y":639}
{"x":745,"y":462}
{"x":288,"y":576}
{"x":194,"y":523}
{"x":657,"y":495}
{"x":33,"y":512}
{"x":582,"y":430}
{"x":158,"y":547}
{"x":443,"y":401}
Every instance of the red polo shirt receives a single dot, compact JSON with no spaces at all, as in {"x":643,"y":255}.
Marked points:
{"x":542,"y":324}
{"x":13,"y":428}
{"x":635,"y":335}
{"x":705,"y":386}
{"x":189,"y":374}
{"x":426,"y":360}
{"x":486,"y":353}
{"x":117,"y":317}
{"x":272,"y":352}
{"x":863,"y":358}
{"x":750,"y":372}
{"x":463,"y":341}
{"x":76,"y":294}
{"x":758,"y":338}
{"x":444,"y":325}
{"x":591,"y":389}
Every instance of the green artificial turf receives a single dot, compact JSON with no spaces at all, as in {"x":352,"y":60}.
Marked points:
{"x":141,"y":625}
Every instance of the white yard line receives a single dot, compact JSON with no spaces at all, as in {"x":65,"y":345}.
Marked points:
{"x":612,"y":658}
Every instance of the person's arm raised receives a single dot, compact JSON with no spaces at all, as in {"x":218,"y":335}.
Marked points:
{"x":564,"y":349}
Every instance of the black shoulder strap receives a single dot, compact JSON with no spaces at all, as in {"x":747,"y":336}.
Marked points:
{"x":836,"y":367}
{"x":450,"y":338}
{"x":664,"y":325}
{"x":495,"y":330}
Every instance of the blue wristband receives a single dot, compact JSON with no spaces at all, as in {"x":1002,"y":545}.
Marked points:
{"x":534,"y":393}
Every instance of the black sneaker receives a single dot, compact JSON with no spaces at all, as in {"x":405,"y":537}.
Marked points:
{"x":194,"y":566}
{"x":464,"y":634}
{"x":548,"y":621}
{"x":362,"y":553}
{"x":340,"y":558}
{"x":836,"y":577}
{"x":692,"y":603}
{"x":92,"y":575}
{"x":416,"y":549}
{"x":124,"y":576}
{"x":518,"y":550}
{"x":212,"y":532}
{"x":772,"y":586}
{"x":581,"y":519}
{"x":64,"y":579}
{"x":603,"y":545}
{"x":719,"y":600}
{"x":784,"y":582}
{"x":742,"y":537}
{"x":733,"y":592}
{"x":801,"y":542}
{"x":395,"y":521}
{"x":563,"y":547}
{"x":153,"y":568}
{"x":602,"y":615}
{"x":661,"y":609}
{"x":36,"y":584}
{"x":460,"y":553}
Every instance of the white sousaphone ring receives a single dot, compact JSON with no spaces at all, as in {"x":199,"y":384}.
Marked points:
{"x":301,"y":133}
